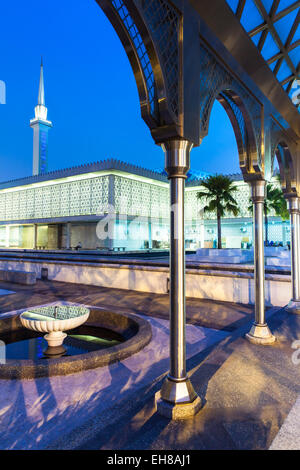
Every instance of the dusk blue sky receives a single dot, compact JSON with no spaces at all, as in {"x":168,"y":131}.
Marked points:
{"x":90,"y":90}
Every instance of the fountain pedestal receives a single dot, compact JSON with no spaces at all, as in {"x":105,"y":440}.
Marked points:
{"x":55,"y":338}
{"x":55,"y":341}
{"x":54,"y":320}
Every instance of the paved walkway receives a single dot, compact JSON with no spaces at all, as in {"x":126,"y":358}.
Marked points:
{"x":248,"y":391}
{"x":288,"y":437}
{"x":34,"y":414}
{"x":218,"y":315}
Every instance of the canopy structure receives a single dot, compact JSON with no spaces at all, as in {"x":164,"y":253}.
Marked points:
{"x":185,"y":55}
{"x":273,"y":26}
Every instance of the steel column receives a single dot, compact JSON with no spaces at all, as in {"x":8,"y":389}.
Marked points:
{"x":34,"y":236}
{"x":68,"y":236}
{"x":7,"y":236}
{"x":294,"y":304}
{"x":260,"y":332}
{"x":297,"y":257}
{"x":150,"y":233}
{"x":177,"y":395}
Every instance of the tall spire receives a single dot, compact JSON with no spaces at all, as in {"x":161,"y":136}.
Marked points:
{"x":40,"y":126}
{"x":41,"y":100}
{"x":40,"y":110}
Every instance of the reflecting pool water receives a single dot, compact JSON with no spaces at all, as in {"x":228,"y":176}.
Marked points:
{"x":24,"y":344}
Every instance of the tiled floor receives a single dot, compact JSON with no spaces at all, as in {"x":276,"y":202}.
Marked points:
{"x":217,"y":315}
{"x":288,"y":437}
{"x":247,"y":390}
{"x":36,"y":413}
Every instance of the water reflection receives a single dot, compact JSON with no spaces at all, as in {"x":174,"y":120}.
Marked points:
{"x":21,"y":345}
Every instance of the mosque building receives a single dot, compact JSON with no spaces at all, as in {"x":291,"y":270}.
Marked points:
{"x":111,"y":205}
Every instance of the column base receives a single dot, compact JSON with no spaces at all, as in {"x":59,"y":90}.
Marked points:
{"x":293,"y":306}
{"x":177,"y":399}
{"x":260,"y":334}
{"x":177,"y":411}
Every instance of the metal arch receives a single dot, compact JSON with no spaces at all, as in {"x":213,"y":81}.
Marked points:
{"x":237,"y":122}
{"x":144,"y":29}
{"x":134,"y":45}
{"x":165,"y":24}
{"x":252,"y":122}
{"x":215,"y":78}
{"x":222,"y":30}
{"x":242,"y":127}
{"x":280,"y":147}
{"x":244,"y":112}
{"x":286,"y":168}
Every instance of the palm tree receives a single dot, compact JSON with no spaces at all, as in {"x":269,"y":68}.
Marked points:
{"x":217,"y":192}
{"x":276,"y":202}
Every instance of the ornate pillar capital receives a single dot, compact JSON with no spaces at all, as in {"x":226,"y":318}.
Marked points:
{"x":293,"y":204}
{"x":177,"y":157}
{"x":258,"y":190}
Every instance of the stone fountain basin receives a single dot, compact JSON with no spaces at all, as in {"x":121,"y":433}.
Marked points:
{"x":46,"y":320}
{"x":135,"y":330}
{"x":37,"y":322}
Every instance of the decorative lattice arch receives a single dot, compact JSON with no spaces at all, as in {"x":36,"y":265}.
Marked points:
{"x":280,"y":148}
{"x":244,"y":110}
{"x":164,"y":22}
{"x":150,"y":32}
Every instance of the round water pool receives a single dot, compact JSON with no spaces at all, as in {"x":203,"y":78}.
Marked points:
{"x":25,"y":344}
{"x":105,"y":338}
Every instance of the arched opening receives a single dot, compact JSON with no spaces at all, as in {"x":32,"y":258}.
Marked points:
{"x":218,"y":151}
{"x":241,"y":121}
{"x":282,"y":159}
{"x":229,"y":118}
{"x":277,"y":220}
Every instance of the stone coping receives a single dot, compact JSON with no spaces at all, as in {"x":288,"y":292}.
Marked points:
{"x":114,"y":258}
{"x":136,"y":331}
{"x":18,"y":277}
{"x":219,"y":270}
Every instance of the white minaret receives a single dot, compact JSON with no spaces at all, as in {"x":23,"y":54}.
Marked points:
{"x":40,"y":127}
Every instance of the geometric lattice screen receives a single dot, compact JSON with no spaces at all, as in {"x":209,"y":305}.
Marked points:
{"x":74,"y":198}
{"x":273,"y":26}
{"x":194,"y":206}
{"x":140,"y":199}
{"x":90,"y":196}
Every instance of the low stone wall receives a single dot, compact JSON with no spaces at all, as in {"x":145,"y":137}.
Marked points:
{"x":18,"y":277}
{"x":200,"y":283}
{"x":227,"y":255}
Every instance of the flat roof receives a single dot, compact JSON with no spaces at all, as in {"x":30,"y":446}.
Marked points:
{"x":104,"y":165}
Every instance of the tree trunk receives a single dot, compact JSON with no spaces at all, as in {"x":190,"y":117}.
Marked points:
{"x":219,"y":232}
{"x":266,"y":226}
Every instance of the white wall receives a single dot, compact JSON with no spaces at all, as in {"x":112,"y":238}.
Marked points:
{"x":219,"y":285}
